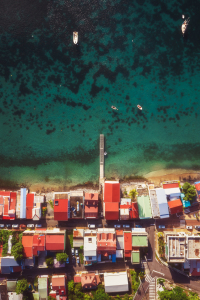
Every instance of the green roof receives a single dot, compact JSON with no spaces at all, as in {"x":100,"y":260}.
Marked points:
{"x":139,"y":240}
{"x":11,"y":286}
{"x":36,"y":296}
{"x":135,"y":257}
{"x":144,"y":207}
{"x":42,"y":287}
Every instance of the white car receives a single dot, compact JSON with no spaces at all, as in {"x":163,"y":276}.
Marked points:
{"x":161,"y":226}
{"x":15,"y":225}
{"x":126,"y":226}
{"x":189,"y":227}
{"x":30,"y":226}
{"x":117,"y":226}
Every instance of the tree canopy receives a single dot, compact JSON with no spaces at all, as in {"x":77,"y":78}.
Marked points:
{"x":176,"y":294}
{"x":133,"y":194}
{"x":17,"y":251}
{"x":189,"y":191}
{"x":22,"y":286}
{"x":61,"y":257}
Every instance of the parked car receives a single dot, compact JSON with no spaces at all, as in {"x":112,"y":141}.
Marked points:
{"x":197,"y":227}
{"x":67,"y":260}
{"x":30,"y":226}
{"x":188,"y":227}
{"x":15,"y":225}
{"x":22,"y":226}
{"x":1,"y":225}
{"x":117,"y":226}
{"x":38,"y":225}
{"x":99,"y":225}
{"x":76,"y":252}
{"x":161,"y":226}
{"x":91,"y":225}
{"x":186,"y":211}
{"x":126,"y":226}
{"x":72,"y":251}
{"x":78,"y":260}
{"x":8,"y":225}
{"x":138,"y":226}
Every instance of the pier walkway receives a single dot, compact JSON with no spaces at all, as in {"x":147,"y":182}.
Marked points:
{"x":101,"y":156}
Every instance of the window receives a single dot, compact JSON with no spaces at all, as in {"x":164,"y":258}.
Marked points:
{"x":89,"y":240}
{"x":90,"y":257}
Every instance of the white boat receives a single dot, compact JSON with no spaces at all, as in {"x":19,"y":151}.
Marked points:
{"x":114,"y":107}
{"x":75,"y":37}
{"x":184,"y":26}
{"x":140,"y":107}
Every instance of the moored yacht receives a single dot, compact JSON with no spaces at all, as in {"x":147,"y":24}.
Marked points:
{"x":184,"y":26}
{"x":75,"y":37}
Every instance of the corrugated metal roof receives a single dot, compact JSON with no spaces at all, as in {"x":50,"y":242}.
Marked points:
{"x":144,"y":207}
{"x":119,"y":242}
{"x":23,"y":204}
{"x":154,"y":204}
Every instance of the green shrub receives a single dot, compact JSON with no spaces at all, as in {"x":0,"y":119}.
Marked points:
{"x":22,"y":286}
{"x":44,"y":211}
{"x":61,"y":257}
{"x":49,"y":261}
{"x":17,"y":251}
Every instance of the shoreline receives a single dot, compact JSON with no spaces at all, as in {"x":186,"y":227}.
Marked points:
{"x":155,"y":177}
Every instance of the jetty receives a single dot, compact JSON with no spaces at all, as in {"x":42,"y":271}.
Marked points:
{"x":101,"y":146}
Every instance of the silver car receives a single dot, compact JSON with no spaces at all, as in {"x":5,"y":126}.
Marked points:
{"x":15,"y":225}
{"x":30,"y":226}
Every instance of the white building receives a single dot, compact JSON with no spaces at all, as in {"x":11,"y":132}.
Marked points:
{"x":116,"y":282}
{"x":90,"y":246}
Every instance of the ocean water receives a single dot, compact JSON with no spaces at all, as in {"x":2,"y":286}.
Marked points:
{"x":56,"y":97}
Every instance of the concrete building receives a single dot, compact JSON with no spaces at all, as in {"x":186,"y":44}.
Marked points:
{"x":90,"y":247}
{"x":116,"y":282}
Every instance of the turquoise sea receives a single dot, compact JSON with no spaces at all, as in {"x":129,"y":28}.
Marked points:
{"x":56,"y":97}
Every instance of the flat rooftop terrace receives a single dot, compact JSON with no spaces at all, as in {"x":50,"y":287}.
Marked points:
{"x":193,"y":247}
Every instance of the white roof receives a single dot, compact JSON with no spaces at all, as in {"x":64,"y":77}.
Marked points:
{"x":116,"y":282}
{"x":76,"y":193}
{"x":90,"y":243}
{"x":116,"y":181}
{"x":124,"y":211}
{"x":23,"y":204}
{"x":172,"y":191}
{"x":39,"y":199}
{"x":106,"y":230}
{"x":124,"y":201}
{"x":138,"y":230}
{"x":14,"y":296}
{"x":119,"y":253}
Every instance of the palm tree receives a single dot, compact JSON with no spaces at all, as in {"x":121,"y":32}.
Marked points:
{"x":133,"y":194}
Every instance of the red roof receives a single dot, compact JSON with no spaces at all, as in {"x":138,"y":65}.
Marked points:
{"x":17,"y":269}
{"x":91,"y":211}
{"x":77,"y":278}
{"x":13,"y":197}
{"x":91,"y":196}
{"x":5,"y":212}
{"x":134,"y":214}
{"x":197,"y":186}
{"x":55,"y":242}
{"x":112,"y":211}
{"x":27,"y":242}
{"x":106,"y":241}
{"x":38,"y":243}
{"x":4,"y":193}
{"x":61,"y":209}
{"x":112,"y":192}
{"x":170,"y":185}
{"x":29,"y":205}
{"x":175,"y":206}
{"x":127,"y":244}
{"x":59,"y":284}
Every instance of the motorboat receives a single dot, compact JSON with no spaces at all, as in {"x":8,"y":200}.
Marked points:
{"x":75,"y":37}
{"x":114,"y":107}
{"x":140,"y":107}
{"x":184,"y":26}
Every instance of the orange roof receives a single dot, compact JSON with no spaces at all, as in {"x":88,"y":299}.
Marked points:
{"x":170,"y":185}
{"x":29,"y":212}
{"x":127,"y":243}
{"x":90,"y":196}
{"x":58,"y":282}
{"x":61,"y":209}
{"x":89,"y":280}
{"x":4,"y":193}
{"x":5,"y":212}
{"x":111,"y":211}
{"x":55,"y":242}
{"x":77,"y":278}
{"x":29,"y":200}
{"x":175,"y":206}
{"x":27,"y":242}
{"x":112,"y":192}
{"x":106,"y":241}
{"x":119,"y":232}
{"x":38,"y":243}
{"x":1,"y":199}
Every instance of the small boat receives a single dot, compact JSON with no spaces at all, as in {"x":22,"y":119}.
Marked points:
{"x":75,"y":37}
{"x":140,"y":107}
{"x":105,"y":153}
{"x":114,"y":107}
{"x":184,"y":26}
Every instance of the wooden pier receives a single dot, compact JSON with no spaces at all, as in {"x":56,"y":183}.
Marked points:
{"x":101,"y":146}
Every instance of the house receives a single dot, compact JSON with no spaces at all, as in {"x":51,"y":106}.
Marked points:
{"x":175,"y":206}
{"x":162,"y":202}
{"x":119,"y":244}
{"x":197,"y":186}
{"x":10,"y":265}
{"x":78,"y":239}
{"x":11,"y":287}
{"x":43,"y":286}
{"x":23,"y":204}
{"x":61,"y":209}
{"x":127,"y":244}
{"x":128,"y":209}
{"x":27,"y":242}
{"x":144,"y":207}
{"x":90,"y":247}
{"x":116,"y":282}
{"x":172,"y":190}
{"x":89,"y":281}
{"x":59,"y":284}
{"x":7,"y":205}
{"x":29,"y":205}
{"x":91,"y":205}
{"x":37,"y":211}
{"x":38,"y":243}
{"x":55,"y":240}
{"x":154,"y":203}
{"x":76,"y":204}
{"x":3,"y":289}
{"x":106,"y":244}
{"x":111,"y":200}
{"x":175,"y":248}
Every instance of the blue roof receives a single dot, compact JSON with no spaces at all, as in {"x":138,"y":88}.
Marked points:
{"x":9,"y":262}
{"x":162,"y":202}
{"x":23,"y":204}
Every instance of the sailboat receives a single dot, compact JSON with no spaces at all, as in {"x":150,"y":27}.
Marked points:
{"x":184,"y":26}
{"x":75,"y":37}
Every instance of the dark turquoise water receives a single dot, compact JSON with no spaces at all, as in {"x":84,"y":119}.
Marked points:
{"x":56,"y":97}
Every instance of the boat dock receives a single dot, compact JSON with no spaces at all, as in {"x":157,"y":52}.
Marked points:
{"x":101,"y":146}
